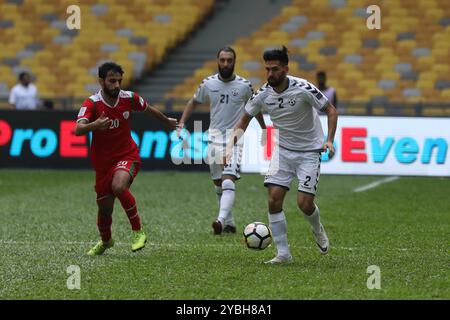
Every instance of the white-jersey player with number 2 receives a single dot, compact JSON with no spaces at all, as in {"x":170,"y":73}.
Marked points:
{"x":292,"y":104}
{"x":227,"y":94}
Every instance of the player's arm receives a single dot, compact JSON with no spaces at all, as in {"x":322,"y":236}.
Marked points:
{"x":84,"y":126}
{"x":238,"y":132}
{"x":190,"y":107}
{"x":155,"y":113}
{"x":200,"y":96}
{"x":332,"y":116}
{"x":139,"y":104}
{"x":259,"y":117}
{"x":320,"y":102}
{"x":240,"y":127}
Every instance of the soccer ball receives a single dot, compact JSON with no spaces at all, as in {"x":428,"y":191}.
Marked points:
{"x":257,"y":236}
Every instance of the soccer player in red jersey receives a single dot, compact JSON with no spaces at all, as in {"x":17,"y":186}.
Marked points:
{"x":114,"y":155}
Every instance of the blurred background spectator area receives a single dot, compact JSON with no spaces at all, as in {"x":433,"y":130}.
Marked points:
{"x":401,"y":69}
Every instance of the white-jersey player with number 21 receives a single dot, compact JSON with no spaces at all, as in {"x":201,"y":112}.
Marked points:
{"x":227,"y":94}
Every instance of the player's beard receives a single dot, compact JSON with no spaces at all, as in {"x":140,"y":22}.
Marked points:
{"x":112,"y":93}
{"x":275,"y":82}
{"x":226,"y":73}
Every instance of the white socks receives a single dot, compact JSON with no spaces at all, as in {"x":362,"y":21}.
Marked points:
{"x":230,"y":220}
{"x":218,"y":194}
{"x":226,"y":202}
{"x":314,"y":219}
{"x":277,"y":223}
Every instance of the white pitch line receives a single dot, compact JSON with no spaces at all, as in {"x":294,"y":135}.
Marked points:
{"x":375,"y":184}
{"x":154,"y":244}
{"x":172,"y":245}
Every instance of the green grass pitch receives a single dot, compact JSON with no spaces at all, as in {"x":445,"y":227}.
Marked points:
{"x":47,"y":223}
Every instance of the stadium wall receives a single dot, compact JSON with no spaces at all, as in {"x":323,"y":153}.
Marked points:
{"x":364,"y":145}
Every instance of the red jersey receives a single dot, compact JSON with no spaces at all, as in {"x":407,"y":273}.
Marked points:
{"x":115,"y":143}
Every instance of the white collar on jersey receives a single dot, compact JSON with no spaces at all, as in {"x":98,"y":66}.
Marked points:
{"x":106,"y":103}
{"x":226,"y":81}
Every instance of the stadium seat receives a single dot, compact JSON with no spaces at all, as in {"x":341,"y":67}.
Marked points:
{"x":403,"y":62}
{"x":111,"y":30}
{"x":408,"y":60}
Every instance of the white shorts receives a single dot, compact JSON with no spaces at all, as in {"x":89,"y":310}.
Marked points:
{"x":215,"y":160}
{"x":303,"y":165}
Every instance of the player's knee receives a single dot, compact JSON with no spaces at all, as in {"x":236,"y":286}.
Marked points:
{"x":306,"y":206}
{"x":228,"y":184}
{"x":275,"y":204}
{"x":118,"y":188}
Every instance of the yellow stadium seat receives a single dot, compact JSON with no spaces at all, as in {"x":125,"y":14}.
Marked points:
{"x":425,"y":84}
{"x":445,"y":94}
{"x":341,"y":29}
{"x":54,"y":62}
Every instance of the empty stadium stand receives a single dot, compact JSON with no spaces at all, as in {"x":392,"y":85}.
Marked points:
{"x":136,"y":33}
{"x":229,"y":20}
{"x":403,"y":65}
{"x":407,"y":61}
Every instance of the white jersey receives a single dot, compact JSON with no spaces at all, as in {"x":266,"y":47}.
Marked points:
{"x":24,"y":98}
{"x":226,"y":99}
{"x":293,"y":112}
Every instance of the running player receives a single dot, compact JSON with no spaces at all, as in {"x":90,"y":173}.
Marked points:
{"x":115,"y":156}
{"x":292,"y":104}
{"x":227,"y":94}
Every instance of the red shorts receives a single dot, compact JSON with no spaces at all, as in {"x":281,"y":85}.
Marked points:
{"x":104,"y":177}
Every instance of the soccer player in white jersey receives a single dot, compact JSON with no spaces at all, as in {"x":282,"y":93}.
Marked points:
{"x":292,"y":104}
{"x":227,"y":94}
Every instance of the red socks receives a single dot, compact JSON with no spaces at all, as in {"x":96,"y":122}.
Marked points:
{"x":129,"y":205}
{"x":104,"y":226}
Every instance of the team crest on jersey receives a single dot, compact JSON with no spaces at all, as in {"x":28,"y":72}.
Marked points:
{"x":291,"y":102}
{"x":126,"y":114}
{"x":141,"y":101}
{"x":235,"y":92}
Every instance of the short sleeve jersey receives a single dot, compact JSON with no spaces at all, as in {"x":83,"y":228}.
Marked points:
{"x":293,"y":112}
{"x":226,"y":99}
{"x":113,"y":144}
